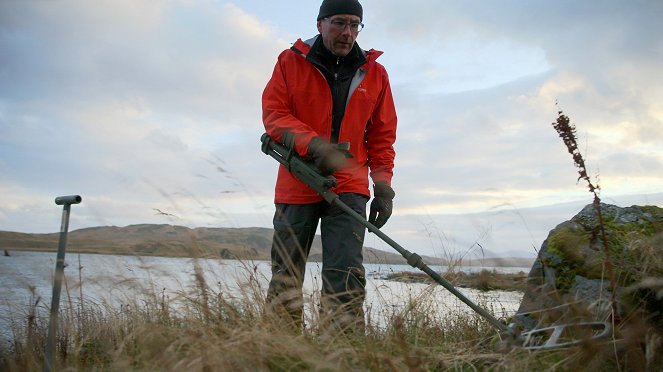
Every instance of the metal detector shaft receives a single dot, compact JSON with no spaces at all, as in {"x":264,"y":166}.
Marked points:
{"x":306,"y":173}
{"x":66,"y":202}
{"x":416,"y":261}
{"x":301,"y":169}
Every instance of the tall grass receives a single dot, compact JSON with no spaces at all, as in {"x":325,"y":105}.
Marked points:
{"x":210,"y":330}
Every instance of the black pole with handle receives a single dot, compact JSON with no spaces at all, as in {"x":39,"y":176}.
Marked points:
{"x":307,"y":173}
{"x":537,"y":339}
{"x":66,"y":202}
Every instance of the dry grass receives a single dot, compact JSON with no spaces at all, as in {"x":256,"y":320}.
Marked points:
{"x":211,"y":331}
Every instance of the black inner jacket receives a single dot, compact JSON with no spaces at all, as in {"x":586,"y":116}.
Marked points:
{"x":339,"y":72}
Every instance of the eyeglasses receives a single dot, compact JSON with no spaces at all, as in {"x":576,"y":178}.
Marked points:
{"x":340,"y":24}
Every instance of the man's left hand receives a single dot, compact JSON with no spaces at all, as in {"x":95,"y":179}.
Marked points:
{"x":382,"y":204}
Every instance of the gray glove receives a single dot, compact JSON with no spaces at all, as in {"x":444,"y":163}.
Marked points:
{"x":382,"y":204}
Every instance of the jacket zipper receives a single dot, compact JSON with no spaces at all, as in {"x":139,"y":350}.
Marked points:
{"x":335,"y":132}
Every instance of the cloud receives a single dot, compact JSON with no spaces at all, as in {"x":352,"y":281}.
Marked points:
{"x":596,"y":61}
{"x":126,"y":101}
{"x":144,"y":105}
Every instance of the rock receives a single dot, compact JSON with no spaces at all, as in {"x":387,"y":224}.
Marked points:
{"x":569,"y":281}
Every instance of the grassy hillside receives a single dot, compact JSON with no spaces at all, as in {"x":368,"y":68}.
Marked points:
{"x":151,"y":240}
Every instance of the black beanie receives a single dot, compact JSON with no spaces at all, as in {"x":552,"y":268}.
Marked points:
{"x":332,"y":7}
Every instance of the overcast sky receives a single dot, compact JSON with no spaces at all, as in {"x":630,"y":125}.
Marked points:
{"x":143,"y":106}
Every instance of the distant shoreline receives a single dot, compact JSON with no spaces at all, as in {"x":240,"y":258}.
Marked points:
{"x":489,"y":278}
{"x":488,"y":262}
{"x":253,"y":243}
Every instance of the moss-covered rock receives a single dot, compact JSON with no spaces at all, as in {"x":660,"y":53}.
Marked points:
{"x":571,"y":276}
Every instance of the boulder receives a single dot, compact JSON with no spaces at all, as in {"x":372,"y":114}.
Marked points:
{"x":570,"y":279}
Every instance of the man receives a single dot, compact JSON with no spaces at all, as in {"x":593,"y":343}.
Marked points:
{"x":326,"y":91}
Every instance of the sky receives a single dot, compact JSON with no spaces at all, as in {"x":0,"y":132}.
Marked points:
{"x":150,"y":110}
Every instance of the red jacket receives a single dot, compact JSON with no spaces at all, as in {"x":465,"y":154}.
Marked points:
{"x":297,"y":98}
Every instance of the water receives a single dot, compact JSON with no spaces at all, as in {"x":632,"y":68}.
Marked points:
{"x":116,"y":280}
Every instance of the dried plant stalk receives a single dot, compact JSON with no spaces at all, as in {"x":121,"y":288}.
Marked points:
{"x":567,"y":132}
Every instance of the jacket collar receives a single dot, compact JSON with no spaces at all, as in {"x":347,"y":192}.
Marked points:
{"x":304,"y":47}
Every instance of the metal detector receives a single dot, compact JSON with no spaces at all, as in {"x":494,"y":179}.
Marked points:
{"x":66,"y":202}
{"x":545,"y":338}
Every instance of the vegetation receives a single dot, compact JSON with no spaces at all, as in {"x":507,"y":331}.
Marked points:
{"x":567,"y":132}
{"x":210,"y":330}
{"x":635,"y":244}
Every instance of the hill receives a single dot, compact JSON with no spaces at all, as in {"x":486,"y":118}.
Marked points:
{"x":180,"y":241}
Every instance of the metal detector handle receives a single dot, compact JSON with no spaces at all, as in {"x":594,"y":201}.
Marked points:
{"x":300,"y":168}
{"x":307,"y":173}
{"x":66,"y":202}
{"x":416,"y":261}
{"x":69,"y":199}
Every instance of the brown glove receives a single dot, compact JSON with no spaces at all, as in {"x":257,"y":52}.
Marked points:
{"x":326,"y":157}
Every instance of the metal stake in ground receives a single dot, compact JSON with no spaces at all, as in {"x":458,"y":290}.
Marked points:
{"x":66,"y":202}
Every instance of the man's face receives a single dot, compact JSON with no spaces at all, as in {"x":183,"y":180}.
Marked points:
{"x":337,"y":33}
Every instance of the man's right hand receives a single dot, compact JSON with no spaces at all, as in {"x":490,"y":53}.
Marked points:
{"x":326,"y":157}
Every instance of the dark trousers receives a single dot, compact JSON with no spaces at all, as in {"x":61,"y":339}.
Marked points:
{"x":343,"y":281}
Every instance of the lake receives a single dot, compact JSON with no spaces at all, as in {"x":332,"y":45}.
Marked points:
{"x":115,"y":280}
